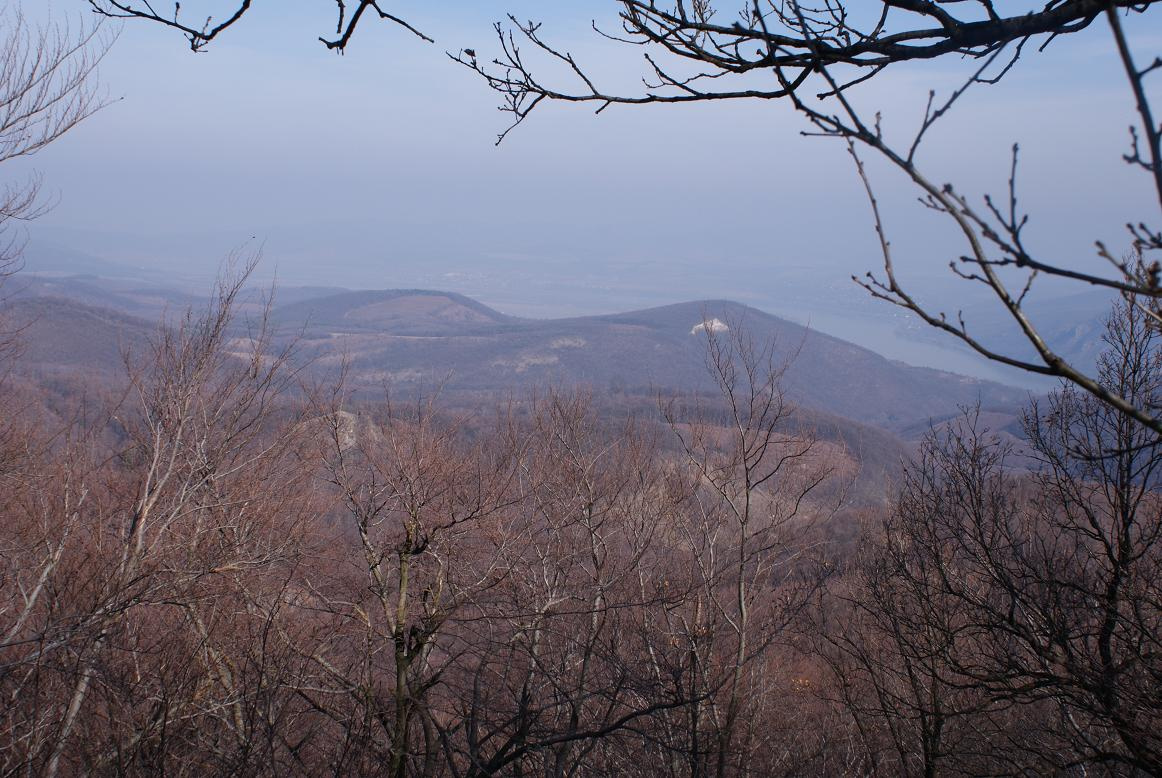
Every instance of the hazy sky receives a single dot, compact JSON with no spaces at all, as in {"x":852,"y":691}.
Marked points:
{"x":378,"y":168}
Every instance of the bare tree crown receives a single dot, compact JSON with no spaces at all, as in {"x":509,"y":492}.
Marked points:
{"x":813,"y":55}
{"x":47,"y":87}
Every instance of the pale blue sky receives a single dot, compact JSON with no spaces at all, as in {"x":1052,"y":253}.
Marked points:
{"x":378,"y":169}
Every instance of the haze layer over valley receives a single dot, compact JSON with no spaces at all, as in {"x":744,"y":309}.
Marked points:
{"x":411,"y":341}
{"x":825,"y":304}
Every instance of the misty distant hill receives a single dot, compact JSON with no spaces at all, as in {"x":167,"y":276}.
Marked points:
{"x":1072,"y":325}
{"x":396,"y":311}
{"x":59,"y":335}
{"x":412,"y":340}
{"x":408,"y":338}
{"x":146,"y":300}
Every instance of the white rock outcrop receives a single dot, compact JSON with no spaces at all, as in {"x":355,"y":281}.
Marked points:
{"x":713,"y":325}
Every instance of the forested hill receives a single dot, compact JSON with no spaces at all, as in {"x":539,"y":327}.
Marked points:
{"x":424,"y":337}
{"x":416,"y":339}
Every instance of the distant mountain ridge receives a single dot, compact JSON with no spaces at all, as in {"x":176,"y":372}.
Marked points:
{"x":400,"y":311}
{"x":57,"y":334}
{"x":413,"y":339}
{"x":422,"y":336}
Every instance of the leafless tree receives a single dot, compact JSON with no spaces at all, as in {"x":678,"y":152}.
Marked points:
{"x":568,"y":666}
{"x":1099,"y":497}
{"x":816,"y":56}
{"x":200,"y":32}
{"x":748,"y":541}
{"x":487,"y":606}
{"x":125,"y":539}
{"x":888,"y":630}
{"x":47,"y":87}
{"x":1023,"y":610}
{"x":556,"y":594}
{"x":421,"y":529}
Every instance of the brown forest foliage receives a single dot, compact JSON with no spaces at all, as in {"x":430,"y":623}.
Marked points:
{"x":219,"y":570}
